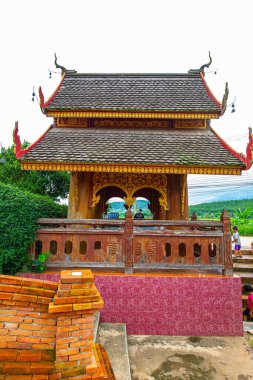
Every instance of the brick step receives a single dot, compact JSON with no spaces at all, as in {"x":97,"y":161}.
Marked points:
{"x":20,"y":368}
{"x":20,"y":355}
{"x":114,"y":339}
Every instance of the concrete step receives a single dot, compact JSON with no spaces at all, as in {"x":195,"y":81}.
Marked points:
{"x":96,"y":325}
{"x":246,"y":277}
{"x":242,"y":267}
{"x":113,"y":337}
{"x":248,"y":327}
{"x":247,"y":259}
{"x":244,"y":251}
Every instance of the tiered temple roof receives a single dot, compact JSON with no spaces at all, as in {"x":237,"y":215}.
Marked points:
{"x":156,"y":122}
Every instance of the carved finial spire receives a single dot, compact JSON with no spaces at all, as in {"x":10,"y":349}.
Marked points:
{"x":63,"y":69}
{"x":225,"y":99}
{"x":202,"y":68}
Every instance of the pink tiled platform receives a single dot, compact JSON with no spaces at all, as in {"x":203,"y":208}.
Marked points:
{"x":172,"y":305}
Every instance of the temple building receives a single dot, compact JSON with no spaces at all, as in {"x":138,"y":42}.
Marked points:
{"x":129,"y":136}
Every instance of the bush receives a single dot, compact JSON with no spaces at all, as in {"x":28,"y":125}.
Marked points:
{"x":244,"y":229}
{"x":19,"y":212}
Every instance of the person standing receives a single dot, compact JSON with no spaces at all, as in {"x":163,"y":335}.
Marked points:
{"x":248,"y":312}
{"x":237,"y":241}
{"x":139,"y":214}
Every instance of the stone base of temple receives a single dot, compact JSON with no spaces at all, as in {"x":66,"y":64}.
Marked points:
{"x":171,"y":304}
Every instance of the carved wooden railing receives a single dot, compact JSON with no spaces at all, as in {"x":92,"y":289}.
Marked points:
{"x":137,"y":244}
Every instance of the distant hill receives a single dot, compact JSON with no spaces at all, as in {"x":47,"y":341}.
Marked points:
{"x":214,"y":209}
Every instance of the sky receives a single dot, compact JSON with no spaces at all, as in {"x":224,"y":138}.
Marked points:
{"x":160,"y":36}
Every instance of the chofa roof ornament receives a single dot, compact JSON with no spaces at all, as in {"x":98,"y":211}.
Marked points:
{"x":63,"y":69}
{"x":202,"y":68}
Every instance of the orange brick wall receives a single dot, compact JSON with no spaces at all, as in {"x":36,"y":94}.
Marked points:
{"x":46,"y":328}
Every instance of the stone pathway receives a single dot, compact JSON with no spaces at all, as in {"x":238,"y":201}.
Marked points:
{"x":189,"y":358}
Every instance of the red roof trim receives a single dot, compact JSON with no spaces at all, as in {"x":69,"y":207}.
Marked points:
{"x":17,"y":142}
{"x":209,"y":92}
{"x":240,"y":156}
{"x":249,"y":151}
{"x":46,"y":104}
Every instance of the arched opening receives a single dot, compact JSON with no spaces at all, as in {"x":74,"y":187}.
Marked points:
{"x":197,"y":252}
{"x":147,"y":199}
{"x":152,"y":196}
{"x":101,"y":208}
{"x":167,"y":249}
{"x":38,"y":248}
{"x":68,"y":247}
{"x":182,"y":250}
{"x":212,"y":253}
{"x":115,"y":208}
{"x":83,"y":247}
{"x":53,"y":247}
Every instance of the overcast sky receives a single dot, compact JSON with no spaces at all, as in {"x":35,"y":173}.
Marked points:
{"x":123,"y":36}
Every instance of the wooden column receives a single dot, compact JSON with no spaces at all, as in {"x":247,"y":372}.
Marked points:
{"x":80,"y":193}
{"x":176,"y":197}
{"x":129,"y":242}
{"x":227,"y":246}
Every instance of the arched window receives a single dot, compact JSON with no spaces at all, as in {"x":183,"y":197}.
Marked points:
{"x":68,"y":247}
{"x":83,"y":247}
{"x":53,"y":247}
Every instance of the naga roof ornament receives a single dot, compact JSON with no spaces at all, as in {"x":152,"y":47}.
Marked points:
{"x":202,"y":68}
{"x":63,"y":69}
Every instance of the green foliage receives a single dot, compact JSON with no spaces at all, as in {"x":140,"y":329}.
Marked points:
{"x":214,"y":209}
{"x":240,"y":211}
{"x":53,"y":184}
{"x":19,"y":212}
{"x":40,"y":263}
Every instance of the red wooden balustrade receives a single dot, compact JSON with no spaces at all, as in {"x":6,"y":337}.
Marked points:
{"x":137,"y":244}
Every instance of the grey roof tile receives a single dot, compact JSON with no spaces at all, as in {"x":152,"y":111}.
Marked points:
{"x":134,"y":92}
{"x":132,"y":146}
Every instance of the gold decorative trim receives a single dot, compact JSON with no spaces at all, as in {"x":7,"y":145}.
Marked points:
{"x":130,"y":183}
{"x":72,"y":122}
{"x":183,"y":187}
{"x":130,"y":123}
{"x":142,"y":115}
{"x":196,"y":124}
{"x":109,"y":168}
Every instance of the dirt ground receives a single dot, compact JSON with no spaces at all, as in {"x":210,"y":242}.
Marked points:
{"x":190,"y":358}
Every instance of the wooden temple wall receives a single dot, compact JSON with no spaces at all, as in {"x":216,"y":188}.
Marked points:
{"x":136,"y":244}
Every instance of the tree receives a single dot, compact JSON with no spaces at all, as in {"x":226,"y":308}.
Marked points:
{"x":19,"y":211}
{"x":53,"y":184}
